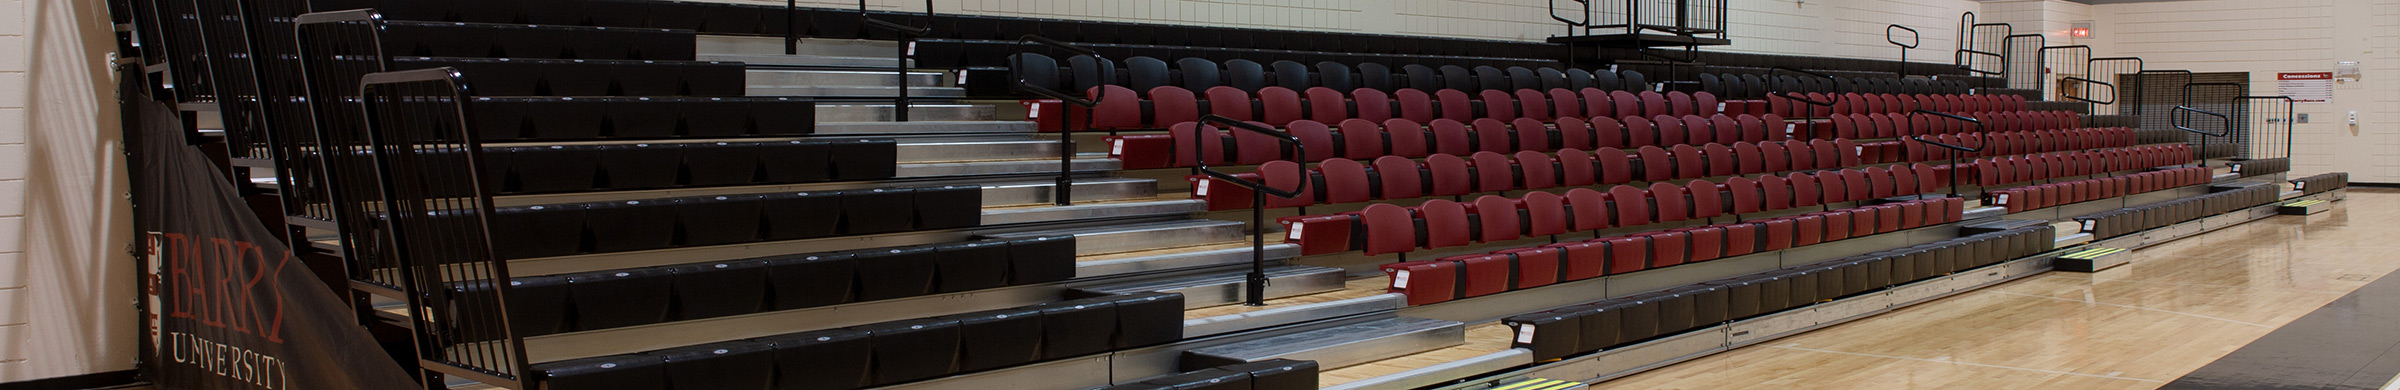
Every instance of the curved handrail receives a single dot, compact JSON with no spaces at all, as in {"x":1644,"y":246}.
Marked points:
{"x":1572,"y":24}
{"x":912,"y":31}
{"x":2112,"y":89}
{"x":1256,"y":287}
{"x":1983,"y":140}
{"x":1064,"y":194}
{"x":2177,"y":118}
{"x":1914,"y":38}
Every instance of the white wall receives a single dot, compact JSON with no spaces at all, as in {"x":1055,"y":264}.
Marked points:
{"x":2267,"y":37}
{"x":66,"y":283}
{"x":1844,"y":28}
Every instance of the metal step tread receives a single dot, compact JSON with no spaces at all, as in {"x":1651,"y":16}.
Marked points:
{"x":1164,"y":259}
{"x":922,"y":127}
{"x":807,"y":61}
{"x":735,"y":44}
{"x":1340,"y":346}
{"x":837,"y":78}
{"x":1143,"y":237}
{"x":1085,"y":190}
{"x":852,"y":91}
{"x":1117,"y":209}
{"x":1173,"y":283}
{"x":1082,"y":164}
{"x":992,"y":150}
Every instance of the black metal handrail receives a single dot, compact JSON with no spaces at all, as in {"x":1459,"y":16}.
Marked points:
{"x":1256,"y":290}
{"x":2112,"y":91}
{"x":2289,"y":116}
{"x":1914,"y":39}
{"x":1573,"y":24}
{"x":1967,"y":53}
{"x":426,"y":162}
{"x":1832,"y":98}
{"x":2178,"y":119}
{"x":1064,"y":194}
{"x":908,"y":44}
{"x":1983,"y":140}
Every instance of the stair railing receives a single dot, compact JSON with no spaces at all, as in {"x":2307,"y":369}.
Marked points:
{"x":1573,"y":24}
{"x":2143,"y":94}
{"x":1831,"y":98}
{"x":1064,"y":194}
{"x":1983,"y":140}
{"x":2181,"y":119}
{"x":1969,"y":52}
{"x":1914,"y":39}
{"x":908,"y":44}
{"x":1255,"y":293}
{"x":2280,"y":114}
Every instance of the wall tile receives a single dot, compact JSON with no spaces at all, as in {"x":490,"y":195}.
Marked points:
{"x":12,"y":198}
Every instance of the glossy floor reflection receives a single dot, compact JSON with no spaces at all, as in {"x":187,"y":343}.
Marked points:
{"x":2177,"y":308}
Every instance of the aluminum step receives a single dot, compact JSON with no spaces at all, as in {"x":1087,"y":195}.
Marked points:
{"x":1014,"y":215}
{"x":842,"y":91}
{"x":1178,"y":258}
{"x":921,"y":127}
{"x":730,"y":44}
{"x":1338,"y":347}
{"x":806,"y":61}
{"x":1086,"y":190}
{"x":833,"y":78}
{"x":916,"y":112}
{"x":1085,"y":163}
{"x":1226,"y":288}
{"x":1021,"y":149}
{"x":1142,"y":237}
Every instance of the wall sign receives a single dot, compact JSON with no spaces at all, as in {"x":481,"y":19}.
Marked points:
{"x":2306,"y":87}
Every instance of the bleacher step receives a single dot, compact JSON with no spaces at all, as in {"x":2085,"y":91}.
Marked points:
{"x":1016,"y":215}
{"x":922,"y":127}
{"x":848,"y":91}
{"x":2029,"y":94}
{"x":916,"y":112}
{"x":1225,"y":288}
{"x":1086,"y":190}
{"x":1147,"y":236}
{"x":1177,"y":258}
{"x":2129,"y":121}
{"x":2091,"y":259}
{"x":1014,"y":149}
{"x":837,"y":78}
{"x":730,"y":44}
{"x":805,"y":61}
{"x":2073,"y":106}
{"x":978,"y":168}
{"x":1338,"y":347}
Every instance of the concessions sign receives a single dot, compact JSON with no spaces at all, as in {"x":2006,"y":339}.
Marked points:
{"x":229,"y":306}
{"x":2308,"y":87}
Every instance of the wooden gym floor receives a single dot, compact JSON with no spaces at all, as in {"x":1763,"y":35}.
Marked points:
{"x":2176,"y":308}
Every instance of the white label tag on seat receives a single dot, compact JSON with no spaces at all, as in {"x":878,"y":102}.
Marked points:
{"x":1525,"y":334}
{"x":1116,"y":148}
{"x":1720,"y":106}
{"x":1202,"y":190}
{"x":1035,"y":110}
{"x":1298,"y":227}
{"x":2003,"y":200}
{"x":2087,"y":224}
{"x":2299,"y":185}
{"x":1400,"y":279}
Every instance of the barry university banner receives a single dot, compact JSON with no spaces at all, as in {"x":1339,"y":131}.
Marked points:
{"x":230,"y":306}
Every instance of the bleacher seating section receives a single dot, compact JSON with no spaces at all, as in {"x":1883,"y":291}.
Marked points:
{"x":2035,"y":197}
{"x":633,"y":225}
{"x":1618,"y":322}
{"x":2321,"y":183}
{"x":2130,"y":220}
{"x":1274,"y":374}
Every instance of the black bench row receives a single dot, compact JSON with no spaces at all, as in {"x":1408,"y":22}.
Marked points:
{"x":1275,"y":374}
{"x":1759,"y":85}
{"x":549,"y":77}
{"x":458,"y":39}
{"x":2130,"y":220}
{"x":2264,"y":166}
{"x":566,"y":168}
{"x":574,"y":118}
{"x":1632,"y":319}
{"x":2170,"y":135}
{"x":541,"y":305}
{"x":2321,"y":183}
{"x":621,"y":226}
{"x":887,"y":353}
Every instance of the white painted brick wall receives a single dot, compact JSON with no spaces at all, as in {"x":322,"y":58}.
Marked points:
{"x":16,"y":52}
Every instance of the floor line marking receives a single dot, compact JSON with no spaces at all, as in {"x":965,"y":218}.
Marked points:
{"x":1953,"y":361}
{"x":2140,"y":308}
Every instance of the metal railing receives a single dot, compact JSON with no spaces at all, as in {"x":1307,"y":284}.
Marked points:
{"x":1914,"y":39}
{"x":1811,"y":117}
{"x":2019,"y":73}
{"x":1981,"y":44}
{"x":908,"y":44}
{"x":427,"y":165}
{"x":1255,"y":293}
{"x":1681,"y":17}
{"x":1065,"y":193}
{"x":1572,"y":24}
{"x":2113,"y":70}
{"x":1983,"y":140}
{"x":2181,"y":116}
{"x":2260,"y":117}
{"x":335,"y":49}
{"x":2141,"y":97}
